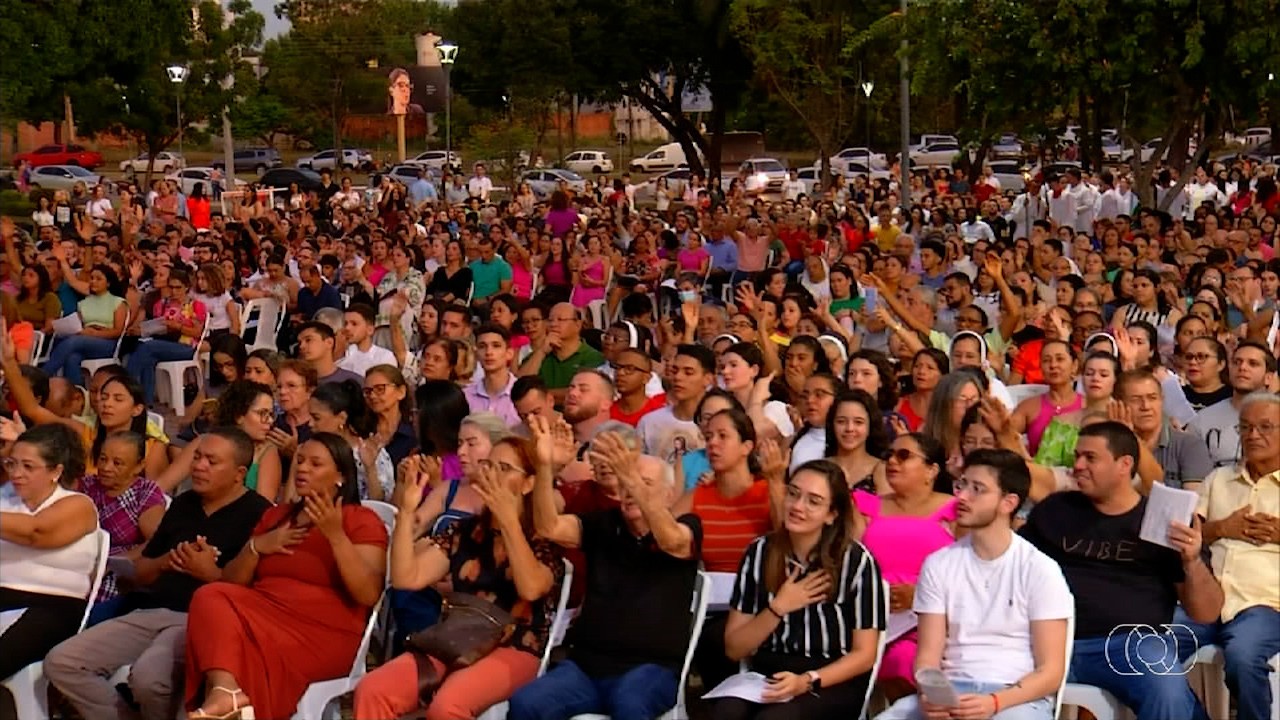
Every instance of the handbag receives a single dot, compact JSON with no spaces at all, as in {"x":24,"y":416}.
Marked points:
{"x":470,"y":628}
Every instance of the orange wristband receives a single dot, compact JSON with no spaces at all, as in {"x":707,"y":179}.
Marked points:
{"x":996,"y":699}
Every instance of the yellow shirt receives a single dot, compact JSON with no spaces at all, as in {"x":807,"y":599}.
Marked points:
{"x":1249,"y":574}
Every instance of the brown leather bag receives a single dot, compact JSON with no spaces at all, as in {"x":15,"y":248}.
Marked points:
{"x":470,"y":628}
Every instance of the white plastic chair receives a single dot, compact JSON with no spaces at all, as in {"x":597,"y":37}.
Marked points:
{"x":1210,"y":663}
{"x":388,"y":514}
{"x":39,"y":348}
{"x":559,"y":624}
{"x":701,"y":594}
{"x":1066,"y":668}
{"x":171,"y":376}
{"x":317,"y":702}
{"x":270,"y":318}
{"x":1018,"y":393}
{"x":1274,"y":664}
{"x":89,"y":367}
{"x":29,"y":686}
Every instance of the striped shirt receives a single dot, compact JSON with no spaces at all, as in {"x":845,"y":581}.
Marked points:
{"x":730,"y":524}
{"x":822,"y":630}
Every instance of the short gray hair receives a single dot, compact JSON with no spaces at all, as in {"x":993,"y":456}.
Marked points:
{"x":492,"y":425}
{"x":1260,"y":396}
{"x":629,"y":436}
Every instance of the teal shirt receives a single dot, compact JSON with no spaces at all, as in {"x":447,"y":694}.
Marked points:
{"x":488,"y":276}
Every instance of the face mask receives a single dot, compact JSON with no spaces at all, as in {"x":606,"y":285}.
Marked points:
{"x":687,"y":296}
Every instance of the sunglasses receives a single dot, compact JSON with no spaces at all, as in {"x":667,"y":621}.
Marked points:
{"x":903,"y":454}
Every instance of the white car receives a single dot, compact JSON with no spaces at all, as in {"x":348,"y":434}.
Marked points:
{"x":545,"y":181}
{"x":583,"y":162}
{"x":764,"y":175}
{"x":1148,"y":150}
{"x":942,"y":152}
{"x":63,"y":177}
{"x":1006,"y":147}
{"x":1009,"y":175}
{"x":677,"y":181}
{"x":928,"y":139}
{"x":435,"y":159}
{"x":325,"y":159}
{"x":188,"y":178}
{"x":860,"y":155}
{"x":853,"y":170}
{"x":166,"y":162}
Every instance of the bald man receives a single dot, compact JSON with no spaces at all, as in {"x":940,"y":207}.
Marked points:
{"x":562,"y":353}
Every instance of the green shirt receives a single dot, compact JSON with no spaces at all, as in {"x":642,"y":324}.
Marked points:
{"x":99,"y":310}
{"x":488,"y":276}
{"x":557,"y":373}
{"x":852,"y":304}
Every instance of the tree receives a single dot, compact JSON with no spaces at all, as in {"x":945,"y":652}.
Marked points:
{"x":261,"y":116}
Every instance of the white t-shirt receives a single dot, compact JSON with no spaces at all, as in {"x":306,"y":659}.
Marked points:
{"x":480,"y":186}
{"x":989,"y":607}
{"x":1217,"y":425}
{"x":359,"y":362}
{"x":660,"y":430}
{"x":811,"y":446}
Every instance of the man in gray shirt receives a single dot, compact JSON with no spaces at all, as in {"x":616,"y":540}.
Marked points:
{"x":1181,"y":453}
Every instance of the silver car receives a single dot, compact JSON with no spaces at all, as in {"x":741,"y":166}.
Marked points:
{"x":545,"y":181}
{"x":63,"y":177}
{"x":676,"y":179}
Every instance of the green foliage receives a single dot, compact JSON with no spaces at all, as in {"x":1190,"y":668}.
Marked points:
{"x":16,"y":205}
{"x":261,"y":116}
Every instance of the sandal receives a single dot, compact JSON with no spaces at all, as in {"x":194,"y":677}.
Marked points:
{"x":236,"y":712}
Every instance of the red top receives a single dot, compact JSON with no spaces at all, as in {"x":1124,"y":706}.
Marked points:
{"x":914,"y":421}
{"x":730,"y":524}
{"x":633,"y":419}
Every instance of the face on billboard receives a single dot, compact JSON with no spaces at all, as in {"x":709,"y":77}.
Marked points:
{"x":414,"y":90}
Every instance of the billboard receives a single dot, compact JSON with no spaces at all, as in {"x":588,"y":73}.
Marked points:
{"x":414,"y":90}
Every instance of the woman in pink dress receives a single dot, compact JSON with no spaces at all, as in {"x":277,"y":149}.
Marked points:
{"x":589,"y":278}
{"x":901,"y":528}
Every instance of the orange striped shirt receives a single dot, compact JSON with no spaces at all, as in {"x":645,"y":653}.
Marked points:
{"x":729,"y":525}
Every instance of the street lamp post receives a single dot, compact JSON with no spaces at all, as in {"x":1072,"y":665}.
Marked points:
{"x":177,"y":76}
{"x":867,"y":87}
{"x":904,"y":71}
{"x":448,"y":53}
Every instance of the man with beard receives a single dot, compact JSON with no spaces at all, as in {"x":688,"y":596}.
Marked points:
{"x":1124,"y":586}
{"x":587,"y":402}
{"x":1006,"y":664}
{"x":957,"y":294}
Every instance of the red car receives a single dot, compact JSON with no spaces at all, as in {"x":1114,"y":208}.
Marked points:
{"x":61,"y":155}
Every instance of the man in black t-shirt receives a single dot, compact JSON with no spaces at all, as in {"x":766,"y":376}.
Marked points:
{"x":627,"y":644}
{"x":200,"y":533}
{"x":1125,"y":588}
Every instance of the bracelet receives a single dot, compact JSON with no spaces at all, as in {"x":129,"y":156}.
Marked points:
{"x":775,"y":612}
{"x":996,"y":699}
{"x":253,"y":548}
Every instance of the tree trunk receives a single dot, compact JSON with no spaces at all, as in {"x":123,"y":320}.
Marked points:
{"x":716,"y":127}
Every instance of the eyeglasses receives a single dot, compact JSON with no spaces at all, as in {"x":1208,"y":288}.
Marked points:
{"x":816,"y":394}
{"x":629,"y":369}
{"x":500,"y":466}
{"x":264,"y":414}
{"x":817,"y":502}
{"x":1266,"y":429}
{"x":379,"y":390}
{"x":903,"y":454}
{"x":1198,"y":357}
{"x":12,"y":465}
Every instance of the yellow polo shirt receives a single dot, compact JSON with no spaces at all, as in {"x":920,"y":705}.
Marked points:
{"x":1249,"y":574}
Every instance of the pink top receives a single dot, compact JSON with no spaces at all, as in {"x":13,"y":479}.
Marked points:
{"x":521,"y":281}
{"x":900,"y":543}
{"x":1048,"y":411}
{"x":583,"y":295}
{"x":691,"y":260}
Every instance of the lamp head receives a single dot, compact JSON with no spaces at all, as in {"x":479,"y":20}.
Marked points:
{"x":177,"y":73}
{"x":448,"y":52}
{"x":867,"y":87}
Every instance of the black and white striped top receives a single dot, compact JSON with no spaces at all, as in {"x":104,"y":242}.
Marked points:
{"x":825,"y":629}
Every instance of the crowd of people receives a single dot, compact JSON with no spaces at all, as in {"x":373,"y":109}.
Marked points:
{"x":910,"y":434}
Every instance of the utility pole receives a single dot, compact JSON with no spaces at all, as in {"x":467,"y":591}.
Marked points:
{"x":904,"y":163}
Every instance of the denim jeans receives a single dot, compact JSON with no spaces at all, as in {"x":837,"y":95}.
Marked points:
{"x":68,"y":353}
{"x":1248,"y":642}
{"x":908,"y":708}
{"x":143,"y":361}
{"x":1146,"y":675}
{"x":643,"y":693}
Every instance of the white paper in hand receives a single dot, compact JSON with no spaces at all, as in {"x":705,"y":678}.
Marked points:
{"x":749,"y":686}
{"x":1164,"y":505}
{"x":68,"y":325}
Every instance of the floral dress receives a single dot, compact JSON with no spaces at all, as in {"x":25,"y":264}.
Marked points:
{"x":414,"y":286}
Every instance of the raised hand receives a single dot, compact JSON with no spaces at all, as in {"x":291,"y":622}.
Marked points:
{"x":325,"y":514}
{"x":773,"y":459}
{"x":415,"y":480}
{"x":503,"y":502}
{"x":1120,"y":412}
{"x":760,"y":391}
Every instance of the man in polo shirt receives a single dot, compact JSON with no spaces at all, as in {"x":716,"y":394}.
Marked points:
{"x":562,"y":353}
{"x":490,"y":273}
{"x":628,"y":641}
{"x":199,"y":534}
{"x":1240,"y":506}
{"x":1181,"y":453}
{"x":492,"y":391}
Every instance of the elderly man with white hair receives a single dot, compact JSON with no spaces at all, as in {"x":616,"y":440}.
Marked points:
{"x":628,"y":642}
{"x":1240,"y":508}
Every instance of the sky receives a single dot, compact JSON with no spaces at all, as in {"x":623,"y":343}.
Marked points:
{"x":275,"y":25}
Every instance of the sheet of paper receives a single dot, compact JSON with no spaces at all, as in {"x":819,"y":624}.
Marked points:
{"x":151,"y":328}
{"x":749,"y":686}
{"x":900,"y":623}
{"x":68,"y":325}
{"x":1164,"y":505}
{"x":721,"y":590}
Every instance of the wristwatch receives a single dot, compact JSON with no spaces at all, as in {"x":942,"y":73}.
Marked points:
{"x":815,"y":681}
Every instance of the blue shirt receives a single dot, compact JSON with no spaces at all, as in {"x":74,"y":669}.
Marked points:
{"x":695,"y":464}
{"x":69,"y":297}
{"x":309,"y":302}
{"x":724,"y":254}
{"x":421,"y":191}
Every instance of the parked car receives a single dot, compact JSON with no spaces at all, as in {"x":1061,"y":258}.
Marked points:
{"x":62,"y":177}
{"x":188,"y":178}
{"x":327,"y":159}
{"x":929,"y":139}
{"x":408,"y":173}
{"x":677,"y":181}
{"x":764,"y":175}
{"x":1009,"y":174}
{"x":435,"y":159}
{"x":942,"y":152}
{"x":582,"y":162}
{"x":1007,"y":147}
{"x":809,"y":176}
{"x":861,"y":155}
{"x":544,"y":181}
{"x":666,"y":157}
{"x":281,"y":178}
{"x":60,"y":155}
{"x":166,"y":162}
{"x":257,"y":160}
{"x":855,"y":169}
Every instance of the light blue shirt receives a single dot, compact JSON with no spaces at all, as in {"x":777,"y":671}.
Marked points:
{"x":421,"y":191}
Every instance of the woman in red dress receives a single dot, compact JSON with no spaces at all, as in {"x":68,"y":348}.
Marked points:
{"x":292,"y":606}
